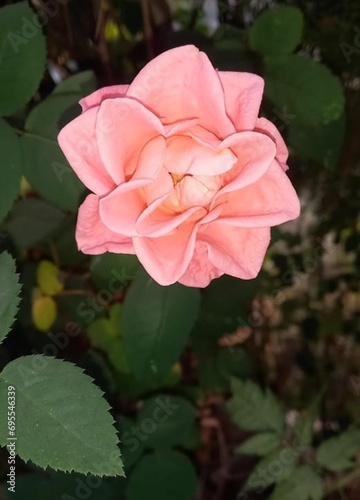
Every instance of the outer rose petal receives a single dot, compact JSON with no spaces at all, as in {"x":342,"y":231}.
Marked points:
{"x":166,"y":258}
{"x":265,"y":126}
{"x":236,"y":251}
{"x":77,"y":140}
{"x":243,"y":95}
{"x":93,"y":237}
{"x":268,"y":202}
{"x":97,"y":97}
{"x":200,"y":271}
{"x":255,"y":153}
{"x":182,"y":83}
{"x":123,"y":127}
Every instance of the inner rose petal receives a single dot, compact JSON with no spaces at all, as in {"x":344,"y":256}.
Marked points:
{"x":184,"y":155}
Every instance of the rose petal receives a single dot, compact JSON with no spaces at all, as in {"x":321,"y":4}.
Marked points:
{"x":200,"y":271}
{"x":166,"y":258}
{"x":266,"y":127}
{"x":97,"y":97}
{"x":186,"y":156}
{"x":123,"y":127}
{"x":77,"y":141}
{"x":255,"y":153}
{"x":268,"y":202}
{"x":93,"y":237}
{"x":236,"y":251}
{"x":243,"y":94}
{"x":181,"y":83}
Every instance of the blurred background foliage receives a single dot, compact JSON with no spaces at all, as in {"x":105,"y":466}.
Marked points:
{"x":274,"y":359}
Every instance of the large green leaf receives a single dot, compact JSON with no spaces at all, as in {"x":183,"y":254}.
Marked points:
{"x":10,"y":167}
{"x":165,"y":420}
{"x":255,"y":410}
{"x":277,"y":31}
{"x":338,"y":453}
{"x":304,"y":484}
{"x":304,"y":89}
{"x":22,"y":56}
{"x":162,"y":476}
{"x":46,"y":168}
{"x":9,"y":293}
{"x":33,"y":220}
{"x":62,"y":420}
{"x":156,"y":323}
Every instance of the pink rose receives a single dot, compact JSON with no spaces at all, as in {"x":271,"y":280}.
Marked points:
{"x":184,"y":173}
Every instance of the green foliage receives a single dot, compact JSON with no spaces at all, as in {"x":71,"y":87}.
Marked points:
{"x":33,"y":220}
{"x":81,"y":84}
{"x":11,"y":167}
{"x":57,"y":403}
{"x":171,"y":417}
{"x":303,"y":484}
{"x":275,"y":467}
{"x":322,"y":144}
{"x":108,"y":267}
{"x":22,"y":57}
{"x":131,"y":447}
{"x":303,"y":89}
{"x":277,"y":31}
{"x":46,"y":168}
{"x":9,"y":294}
{"x":106,"y":334}
{"x":162,"y":475}
{"x":156,"y":323}
{"x":60,"y":486}
{"x":260,"y":444}
{"x":255,"y":410}
{"x":338,"y":453}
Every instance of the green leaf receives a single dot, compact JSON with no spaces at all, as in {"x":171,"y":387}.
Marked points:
{"x":303,"y":89}
{"x":273,"y":468}
{"x":163,"y":476}
{"x":304,"y":426}
{"x":164,"y":420}
{"x":46,"y":168}
{"x":32,"y":221}
{"x":304,"y":484}
{"x":338,"y":453}
{"x":57,"y":403}
{"x":10,"y":169}
{"x":9,"y":294}
{"x":320,"y":143}
{"x":156,"y":323}
{"x":83,"y":83}
{"x":260,"y":444}
{"x":110,"y":268}
{"x":277,"y":31}
{"x":255,"y":410}
{"x":132,"y":448}
{"x":22,"y":56}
